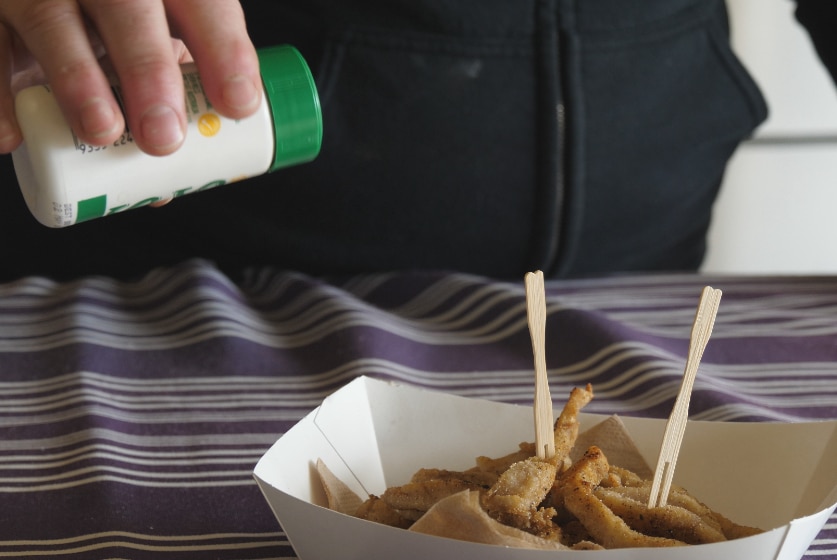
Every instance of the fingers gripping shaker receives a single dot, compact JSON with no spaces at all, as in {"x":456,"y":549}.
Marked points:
{"x":65,"y":181}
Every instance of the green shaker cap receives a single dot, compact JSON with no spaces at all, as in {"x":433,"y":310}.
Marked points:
{"x":294,"y":104}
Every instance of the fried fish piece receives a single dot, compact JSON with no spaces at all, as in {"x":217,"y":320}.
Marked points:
{"x":375,"y":509}
{"x":516,"y":496}
{"x":499,"y":465}
{"x":566,"y":426}
{"x":733,"y":530}
{"x":427,"y":487}
{"x":575,"y":488}
{"x":478,"y":478}
{"x":679,"y":497}
{"x":625,"y":478}
{"x":669,"y":521}
{"x":462,"y":517}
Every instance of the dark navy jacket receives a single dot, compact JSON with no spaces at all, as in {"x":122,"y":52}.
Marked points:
{"x":487,"y":136}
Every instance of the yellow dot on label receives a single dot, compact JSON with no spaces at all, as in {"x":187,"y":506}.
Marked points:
{"x":209,"y":124}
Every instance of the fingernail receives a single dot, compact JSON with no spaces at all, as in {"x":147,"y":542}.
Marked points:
{"x":161,"y":129}
{"x":240,"y":93}
{"x":98,"y":118}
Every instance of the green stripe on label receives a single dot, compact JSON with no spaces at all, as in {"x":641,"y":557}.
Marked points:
{"x":92,"y":208}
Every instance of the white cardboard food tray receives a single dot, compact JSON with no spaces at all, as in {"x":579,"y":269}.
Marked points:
{"x":374,"y":434}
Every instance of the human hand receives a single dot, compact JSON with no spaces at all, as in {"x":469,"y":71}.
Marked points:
{"x":66,"y":43}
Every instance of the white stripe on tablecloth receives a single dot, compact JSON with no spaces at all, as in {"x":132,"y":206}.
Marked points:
{"x":205,"y":459}
{"x":145,"y":542}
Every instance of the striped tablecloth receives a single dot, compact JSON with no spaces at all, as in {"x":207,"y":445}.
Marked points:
{"x":132,"y":413}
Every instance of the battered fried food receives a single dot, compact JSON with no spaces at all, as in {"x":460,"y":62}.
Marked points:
{"x":555,"y":503}
{"x":499,"y":465}
{"x":716,"y":526}
{"x":667,"y":521}
{"x":575,"y":489}
{"x":471,"y":477}
{"x":566,"y":427}
{"x":377,"y":510}
{"x":413,"y":499}
{"x":516,"y":497}
{"x":462,"y":517}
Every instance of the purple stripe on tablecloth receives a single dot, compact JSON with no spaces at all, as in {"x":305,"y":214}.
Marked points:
{"x":104,"y":507}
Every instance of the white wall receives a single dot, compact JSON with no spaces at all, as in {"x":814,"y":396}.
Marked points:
{"x":778,"y":205}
